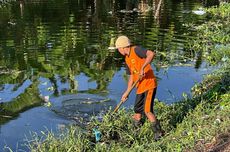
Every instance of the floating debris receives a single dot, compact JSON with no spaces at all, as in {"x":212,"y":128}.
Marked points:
{"x":49,"y":45}
{"x":111,"y":48}
{"x":46,"y":98}
{"x":44,"y":83}
{"x":199,"y":12}
{"x":97,"y":134}
{"x":11,"y":23}
{"x":50,"y":88}
{"x":112,"y":44}
{"x":5,"y":116}
{"x":48,"y":104}
{"x":132,"y":11}
{"x":90,"y":101}
{"x":82,"y":107}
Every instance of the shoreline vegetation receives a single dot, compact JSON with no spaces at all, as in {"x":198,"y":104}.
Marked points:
{"x":200,"y":123}
{"x":197,"y":124}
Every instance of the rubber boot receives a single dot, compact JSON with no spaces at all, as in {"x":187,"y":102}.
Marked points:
{"x":157,"y":130}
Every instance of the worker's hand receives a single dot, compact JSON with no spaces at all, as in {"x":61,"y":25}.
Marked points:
{"x":141,"y":74}
{"x":124,"y":97}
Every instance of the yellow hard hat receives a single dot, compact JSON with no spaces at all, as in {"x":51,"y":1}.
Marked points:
{"x":122,"y":41}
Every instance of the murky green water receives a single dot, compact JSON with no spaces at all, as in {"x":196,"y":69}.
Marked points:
{"x":60,"y":49}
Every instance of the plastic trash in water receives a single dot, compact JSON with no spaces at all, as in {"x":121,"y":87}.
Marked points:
{"x":199,"y":12}
{"x":97,"y":134}
{"x":46,"y":100}
{"x":49,"y":45}
{"x":48,"y":104}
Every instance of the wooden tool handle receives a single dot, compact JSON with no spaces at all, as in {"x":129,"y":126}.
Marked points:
{"x":121,"y":102}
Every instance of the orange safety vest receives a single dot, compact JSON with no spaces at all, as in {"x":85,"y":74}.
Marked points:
{"x":135,"y":63}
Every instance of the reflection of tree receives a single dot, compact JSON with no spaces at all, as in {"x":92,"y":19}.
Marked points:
{"x":208,"y":3}
{"x":100,"y":69}
{"x":158,"y":5}
{"x":28,"y":99}
{"x":198,"y":60}
{"x":68,"y":39}
{"x":157,"y":27}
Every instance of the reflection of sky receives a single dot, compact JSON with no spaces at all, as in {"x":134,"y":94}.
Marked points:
{"x":178,"y":80}
{"x":172,"y":83}
{"x":45,"y":87}
{"x":7,"y":94}
{"x":84,"y":83}
{"x":33,"y":120}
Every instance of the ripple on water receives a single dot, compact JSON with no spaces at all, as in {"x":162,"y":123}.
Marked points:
{"x":81,"y":107}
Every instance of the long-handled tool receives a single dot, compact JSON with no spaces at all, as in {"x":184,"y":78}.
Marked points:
{"x":97,"y":133}
{"x":121,"y":102}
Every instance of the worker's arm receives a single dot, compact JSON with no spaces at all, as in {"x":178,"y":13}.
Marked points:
{"x":129,"y":86}
{"x":149,"y":57}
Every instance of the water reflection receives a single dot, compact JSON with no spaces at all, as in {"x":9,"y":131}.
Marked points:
{"x":26,"y":100}
{"x":60,"y":40}
{"x":57,"y":48}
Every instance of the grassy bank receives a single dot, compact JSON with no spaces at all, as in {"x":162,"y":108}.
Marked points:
{"x":197,"y":124}
{"x":200,"y":123}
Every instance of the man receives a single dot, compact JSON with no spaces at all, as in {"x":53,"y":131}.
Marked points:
{"x":138,"y":62}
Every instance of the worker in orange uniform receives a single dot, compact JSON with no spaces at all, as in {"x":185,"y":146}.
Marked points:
{"x":138,"y":62}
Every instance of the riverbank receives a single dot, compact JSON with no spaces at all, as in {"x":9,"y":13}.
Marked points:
{"x":201,"y":123}
{"x":197,"y":124}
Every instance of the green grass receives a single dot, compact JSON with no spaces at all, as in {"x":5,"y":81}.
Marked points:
{"x":190,"y":125}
